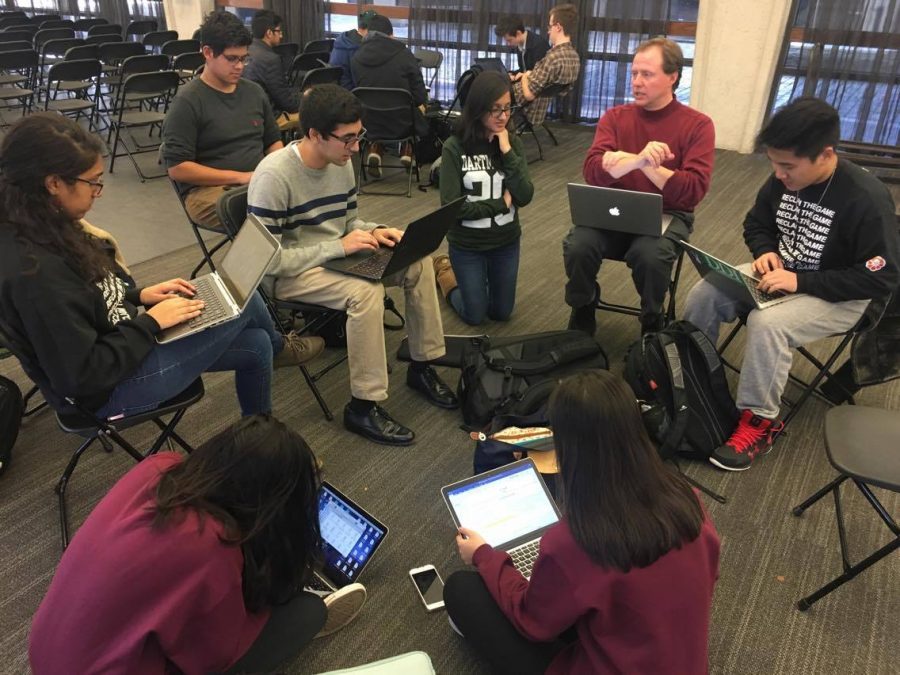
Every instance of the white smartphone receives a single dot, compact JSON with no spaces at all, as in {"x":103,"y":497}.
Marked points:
{"x":429,"y":586}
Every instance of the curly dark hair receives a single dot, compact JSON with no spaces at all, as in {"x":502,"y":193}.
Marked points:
{"x":35,"y":147}
{"x":260,"y":480}
{"x":221,"y":30}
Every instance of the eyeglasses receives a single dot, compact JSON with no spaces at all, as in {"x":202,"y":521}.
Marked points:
{"x":277,"y":30}
{"x":233,"y":59}
{"x":497,"y":113}
{"x":97,"y":185}
{"x":350,"y":141}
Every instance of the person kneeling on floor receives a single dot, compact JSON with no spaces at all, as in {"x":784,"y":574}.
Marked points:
{"x":196,"y":564}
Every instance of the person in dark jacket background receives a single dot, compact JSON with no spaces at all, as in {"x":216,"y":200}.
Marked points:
{"x":382,"y":61}
{"x":267,"y":70}
{"x":530,"y":47}
{"x":345,"y":47}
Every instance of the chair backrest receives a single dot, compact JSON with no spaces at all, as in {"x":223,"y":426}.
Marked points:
{"x":287,"y":51}
{"x":23,"y":60}
{"x":80,"y":52}
{"x":8,"y":21}
{"x":190,"y":61}
{"x":144,"y":63}
{"x":105,"y":29}
{"x":15,"y":46}
{"x":57,"y":23}
{"x":158,"y":38}
{"x":329,"y":75}
{"x":85,"y":25}
{"x":325,"y":45}
{"x":304,"y":62}
{"x":464,"y":83}
{"x":161,"y":82}
{"x":174,"y":48}
{"x":44,"y":36}
{"x":60,"y":47}
{"x":139,"y":28}
{"x":12,"y":12}
{"x":232,"y":209}
{"x":113,"y":53}
{"x":20,"y":347}
{"x":387,"y":113}
{"x":430,"y":59}
{"x":38,"y":19}
{"x":102,"y":39}
{"x":16,"y":36}
{"x":74,"y":70}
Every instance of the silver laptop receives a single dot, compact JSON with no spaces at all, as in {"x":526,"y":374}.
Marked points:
{"x":618,"y":210}
{"x":350,"y":537}
{"x":732,"y":280}
{"x":227,"y":291}
{"x":510,"y":507}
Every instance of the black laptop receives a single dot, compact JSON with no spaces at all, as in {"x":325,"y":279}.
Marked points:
{"x":421,"y":239}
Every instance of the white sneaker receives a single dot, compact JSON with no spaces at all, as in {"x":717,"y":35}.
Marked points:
{"x":343,"y":605}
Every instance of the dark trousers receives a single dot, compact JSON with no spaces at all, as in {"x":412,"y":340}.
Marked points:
{"x":649,"y":258}
{"x":289,"y":629}
{"x":474,"y":612}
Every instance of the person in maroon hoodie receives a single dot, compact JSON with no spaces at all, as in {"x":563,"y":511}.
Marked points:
{"x":624,"y":582}
{"x":195,"y":565}
{"x":654,"y":144}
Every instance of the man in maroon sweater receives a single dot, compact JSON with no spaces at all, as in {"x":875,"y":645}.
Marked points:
{"x":655,"y":144}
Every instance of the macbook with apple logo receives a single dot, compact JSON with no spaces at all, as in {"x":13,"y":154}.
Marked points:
{"x":628,"y":211}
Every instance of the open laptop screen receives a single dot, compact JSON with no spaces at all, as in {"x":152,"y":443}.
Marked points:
{"x":248,"y":258}
{"x":349,"y":535}
{"x":504,"y":504}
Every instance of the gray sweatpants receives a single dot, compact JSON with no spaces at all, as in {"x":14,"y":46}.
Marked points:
{"x":771,"y":334}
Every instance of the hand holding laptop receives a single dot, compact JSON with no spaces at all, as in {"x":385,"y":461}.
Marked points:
{"x":468,"y":541}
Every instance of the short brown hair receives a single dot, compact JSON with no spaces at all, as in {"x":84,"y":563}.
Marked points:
{"x":672,"y":58}
{"x":566,"y":16}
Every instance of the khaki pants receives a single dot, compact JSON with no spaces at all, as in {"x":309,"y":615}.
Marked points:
{"x":364,"y":303}
{"x":288,"y":121}
{"x":200,"y":203}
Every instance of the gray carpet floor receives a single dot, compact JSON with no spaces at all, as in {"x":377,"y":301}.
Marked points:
{"x":769,"y":558}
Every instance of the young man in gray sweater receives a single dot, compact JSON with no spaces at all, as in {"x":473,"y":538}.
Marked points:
{"x":306,"y":195}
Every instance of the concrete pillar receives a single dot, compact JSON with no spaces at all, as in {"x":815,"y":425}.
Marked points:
{"x":735,"y":57}
{"x":185,"y":16}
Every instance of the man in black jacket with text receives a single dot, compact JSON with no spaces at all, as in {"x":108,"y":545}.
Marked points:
{"x":822,"y":228}
{"x":530,"y":47}
{"x":267,"y":70}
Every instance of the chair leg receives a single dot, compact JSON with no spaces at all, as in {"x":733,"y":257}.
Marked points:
{"x":824,"y":369}
{"x":314,"y":388}
{"x":549,"y":132}
{"x":61,"y":489}
{"x":812,"y":499}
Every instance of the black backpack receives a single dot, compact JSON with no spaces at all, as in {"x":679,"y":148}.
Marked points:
{"x":515,"y":375}
{"x":11,"y":408}
{"x":680,"y":380}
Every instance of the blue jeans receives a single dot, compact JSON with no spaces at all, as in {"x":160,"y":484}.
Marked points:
{"x":244,"y":345}
{"x":486,"y":283}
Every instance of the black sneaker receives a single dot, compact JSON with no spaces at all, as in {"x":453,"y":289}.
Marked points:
{"x":754,"y":435}
{"x":584,"y":319}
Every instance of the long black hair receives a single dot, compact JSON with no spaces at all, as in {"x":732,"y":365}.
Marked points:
{"x":623,"y":506}
{"x":261,"y":481}
{"x":35,"y":147}
{"x":486,"y":89}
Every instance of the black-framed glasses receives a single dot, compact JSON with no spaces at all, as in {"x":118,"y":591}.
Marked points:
{"x":234,"y":59}
{"x":350,"y":141}
{"x":497,"y":113}
{"x":97,"y":185}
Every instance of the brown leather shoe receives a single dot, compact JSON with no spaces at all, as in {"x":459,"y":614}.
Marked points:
{"x":443,"y":274}
{"x":298,"y":350}
{"x":373,"y":159}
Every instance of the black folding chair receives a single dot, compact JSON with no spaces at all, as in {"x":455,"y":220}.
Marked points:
{"x":68,"y":89}
{"x":429,"y":59}
{"x":329,"y":75}
{"x":102,"y":39}
{"x":326,"y":45}
{"x":524,"y":126}
{"x":57,"y":23}
{"x":197,"y":229}
{"x":232,"y":211}
{"x":287,"y":52}
{"x":19,"y":69}
{"x":84,"y":25}
{"x":306,"y":62}
{"x":138,"y":29}
{"x":17,"y":36}
{"x":389,"y":116}
{"x":861,"y":444}
{"x":174,"y":48}
{"x":143,"y":89}
{"x":74,"y":418}
{"x":187,"y":65}
{"x":631,"y":310}
{"x":106,"y":29}
{"x":154,"y":40}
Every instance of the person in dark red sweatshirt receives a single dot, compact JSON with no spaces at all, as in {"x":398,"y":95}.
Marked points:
{"x":822,"y":227}
{"x":195,"y":565}
{"x":657,"y":145}
{"x":634,"y":556}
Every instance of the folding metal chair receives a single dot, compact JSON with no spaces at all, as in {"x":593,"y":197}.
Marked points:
{"x":76,"y":419}
{"x":326,"y":45}
{"x":154,"y":40}
{"x":861,"y":444}
{"x":232,"y":211}
{"x":138,"y":29}
{"x":306,"y":62}
{"x":68,"y":89}
{"x":429,"y":59}
{"x":18,"y":70}
{"x":329,"y":75}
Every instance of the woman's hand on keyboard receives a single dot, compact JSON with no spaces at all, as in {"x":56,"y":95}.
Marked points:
{"x":175,"y":310}
{"x":151,"y":295}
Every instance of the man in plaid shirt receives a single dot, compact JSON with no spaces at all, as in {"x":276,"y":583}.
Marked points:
{"x":559,"y":66}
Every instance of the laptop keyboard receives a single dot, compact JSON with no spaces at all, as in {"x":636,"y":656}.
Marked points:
{"x":523,"y":556}
{"x":374,"y":265}
{"x":214,"y":309}
{"x":760,"y":296}
{"x":317,"y":584}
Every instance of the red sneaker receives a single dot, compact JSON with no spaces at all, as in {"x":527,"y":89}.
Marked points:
{"x":752,"y":436}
